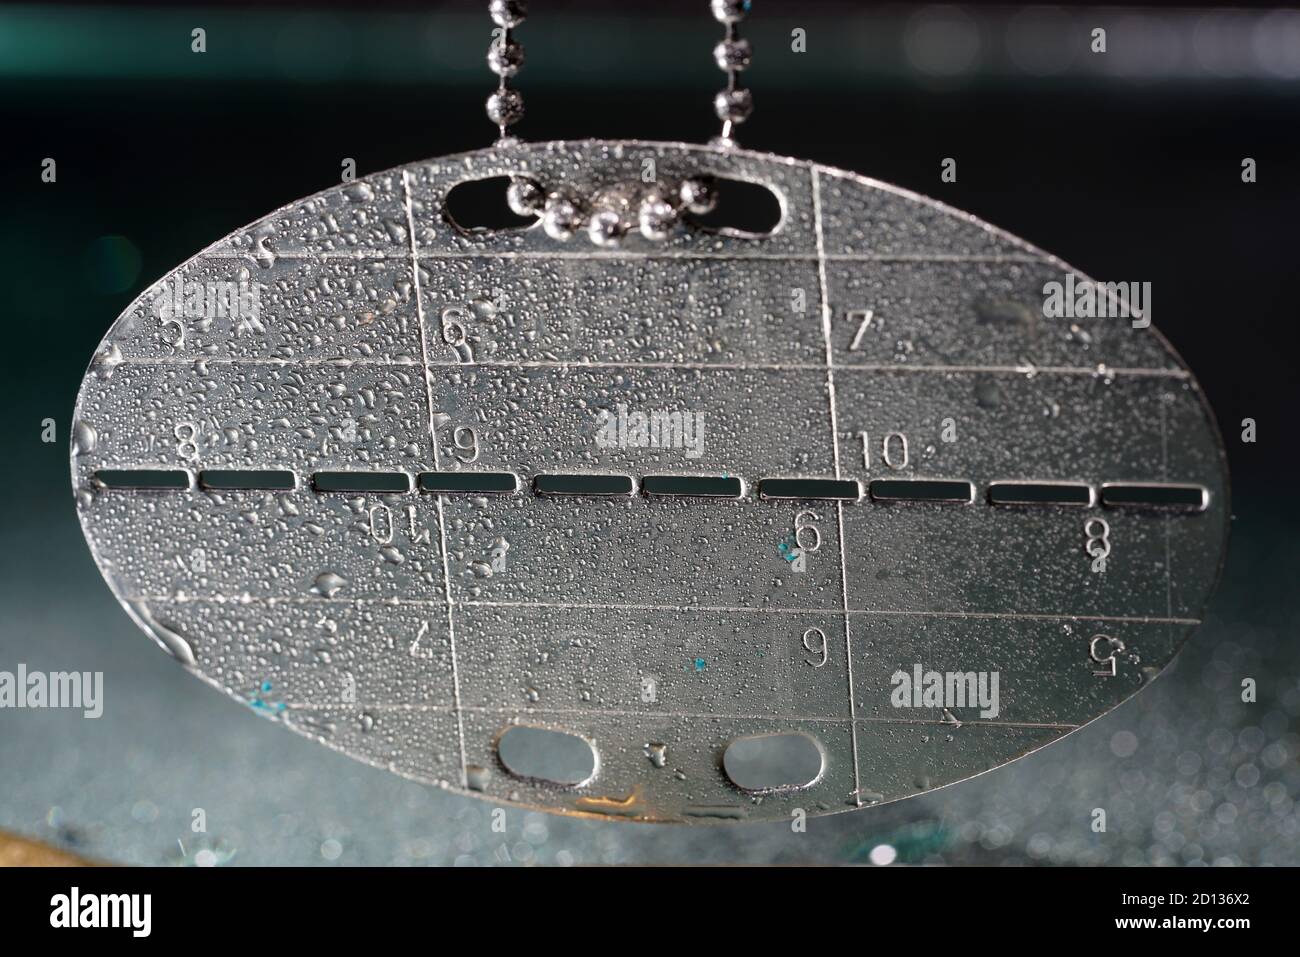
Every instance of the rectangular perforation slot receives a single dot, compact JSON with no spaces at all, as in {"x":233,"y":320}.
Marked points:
{"x":231,"y":480}
{"x":840,"y":490}
{"x":1040,"y":493}
{"x":923,"y":490}
{"x":1155,"y":495}
{"x":361,"y":482}
{"x":468,"y":483}
{"x":601,"y":485}
{"x":693,"y":486}
{"x":144,"y":479}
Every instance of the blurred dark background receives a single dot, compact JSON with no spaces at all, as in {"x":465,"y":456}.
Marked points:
{"x":1125,"y":164}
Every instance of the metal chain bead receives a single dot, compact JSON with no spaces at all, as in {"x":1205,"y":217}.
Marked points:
{"x":612,"y":212}
{"x":508,"y":13}
{"x":562,"y":216}
{"x":733,"y":105}
{"x":656,"y":217}
{"x":505,"y":57}
{"x":525,"y":197}
{"x":698,"y":196}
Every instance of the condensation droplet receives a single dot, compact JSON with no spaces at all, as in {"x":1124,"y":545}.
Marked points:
{"x":328,"y":584}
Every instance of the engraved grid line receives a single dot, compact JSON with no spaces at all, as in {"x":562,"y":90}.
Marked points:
{"x":379,"y":255}
{"x":181,"y":599}
{"x":1019,"y":370}
{"x":1164,"y":477}
{"x":835,"y":444}
{"x":605,"y":712}
{"x":433,"y":441}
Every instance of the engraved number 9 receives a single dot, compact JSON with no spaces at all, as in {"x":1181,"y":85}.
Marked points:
{"x":1109,"y":661}
{"x":814,"y":642}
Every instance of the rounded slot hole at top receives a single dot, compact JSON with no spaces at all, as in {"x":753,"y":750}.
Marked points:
{"x":480,"y":204}
{"x":743,"y":208}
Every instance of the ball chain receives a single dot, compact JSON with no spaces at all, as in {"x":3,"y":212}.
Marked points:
{"x":505,"y":57}
{"x":613,"y":212}
{"x":734,"y":104}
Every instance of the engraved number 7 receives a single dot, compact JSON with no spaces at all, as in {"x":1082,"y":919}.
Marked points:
{"x":863,"y":317}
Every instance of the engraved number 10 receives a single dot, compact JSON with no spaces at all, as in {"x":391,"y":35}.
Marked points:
{"x":893,"y":450}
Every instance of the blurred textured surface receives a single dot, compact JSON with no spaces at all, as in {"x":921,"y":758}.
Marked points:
{"x":17,"y":852}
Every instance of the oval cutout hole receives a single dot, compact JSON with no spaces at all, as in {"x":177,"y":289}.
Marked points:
{"x":770,"y":762}
{"x":556,"y":757}
{"x":743,"y":209}
{"x":480,"y":204}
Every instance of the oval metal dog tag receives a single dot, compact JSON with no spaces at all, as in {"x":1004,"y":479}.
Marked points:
{"x":708,"y":528}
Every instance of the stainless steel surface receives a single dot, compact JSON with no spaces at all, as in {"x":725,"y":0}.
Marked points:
{"x":411,"y":630}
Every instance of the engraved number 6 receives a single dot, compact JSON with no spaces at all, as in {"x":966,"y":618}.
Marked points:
{"x":466,"y":442}
{"x":806,"y":532}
